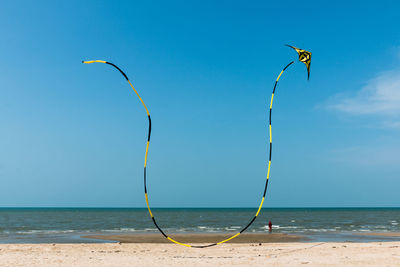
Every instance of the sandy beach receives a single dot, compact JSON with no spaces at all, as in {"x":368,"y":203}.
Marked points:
{"x":245,"y":254}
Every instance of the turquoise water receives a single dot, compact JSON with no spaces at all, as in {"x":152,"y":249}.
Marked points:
{"x":34,"y":225}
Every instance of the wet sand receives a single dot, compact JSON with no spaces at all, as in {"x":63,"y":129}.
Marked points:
{"x":201,"y":238}
{"x":386,"y":234}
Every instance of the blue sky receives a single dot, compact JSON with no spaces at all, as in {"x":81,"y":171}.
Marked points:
{"x":74,"y":134}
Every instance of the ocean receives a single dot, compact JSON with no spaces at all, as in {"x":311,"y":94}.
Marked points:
{"x":66,"y":225}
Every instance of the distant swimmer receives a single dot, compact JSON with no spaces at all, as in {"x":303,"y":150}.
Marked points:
{"x":270,"y":226}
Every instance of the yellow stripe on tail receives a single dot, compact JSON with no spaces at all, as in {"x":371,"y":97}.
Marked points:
{"x":279,"y":76}
{"x":259,"y":208}
{"x":148,"y":206}
{"x":269,"y":169}
{"x":179,"y":243}
{"x":226,"y":240}
{"x":93,"y":61}
{"x":141,"y":100}
{"x":272,"y":99}
{"x":145,"y":156}
{"x":270,"y":133}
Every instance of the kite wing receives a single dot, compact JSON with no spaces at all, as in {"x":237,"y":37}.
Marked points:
{"x":304,"y":56}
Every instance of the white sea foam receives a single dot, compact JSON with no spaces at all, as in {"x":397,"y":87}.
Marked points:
{"x":209,"y":229}
{"x":119,"y":230}
{"x":28,"y":232}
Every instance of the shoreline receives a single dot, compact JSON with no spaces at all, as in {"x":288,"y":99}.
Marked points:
{"x":201,"y":238}
{"x":386,"y":234}
{"x":196,"y":238}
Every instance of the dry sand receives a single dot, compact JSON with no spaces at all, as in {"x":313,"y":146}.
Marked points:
{"x":245,"y":254}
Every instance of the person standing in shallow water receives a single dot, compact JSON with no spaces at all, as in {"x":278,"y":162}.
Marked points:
{"x":270,"y":226}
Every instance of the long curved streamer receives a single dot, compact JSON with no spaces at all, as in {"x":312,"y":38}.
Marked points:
{"x":147,"y":149}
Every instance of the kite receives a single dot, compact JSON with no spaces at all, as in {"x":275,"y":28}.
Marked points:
{"x":304,"y":56}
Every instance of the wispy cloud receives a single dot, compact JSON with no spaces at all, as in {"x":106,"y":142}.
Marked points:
{"x":379,"y":97}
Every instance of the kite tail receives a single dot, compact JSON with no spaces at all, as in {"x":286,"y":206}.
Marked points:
{"x":147,"y":149}
{"x":270,"y":131}
{"x":269,"y":166}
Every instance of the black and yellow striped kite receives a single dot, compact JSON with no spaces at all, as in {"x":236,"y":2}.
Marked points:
{"x":304,"y":56}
